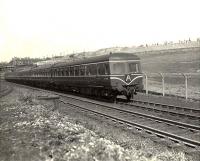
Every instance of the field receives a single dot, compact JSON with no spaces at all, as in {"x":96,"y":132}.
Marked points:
{"x":175,"y":61}
{"x":180,"y":61}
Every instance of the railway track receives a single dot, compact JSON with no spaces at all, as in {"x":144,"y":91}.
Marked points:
{"x":183,"y":114}
{"x":5,"y":89}
{"x":148,"y":123}
{"x":152,"y":132}
{"x":173,"y":109}
{"x":174,"y":131}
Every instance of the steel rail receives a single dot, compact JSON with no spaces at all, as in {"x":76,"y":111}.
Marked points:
{"x":140,"y":114}
{"x":167,"y":105}
{"x":174,"y":137}
{"x":167,"y":111}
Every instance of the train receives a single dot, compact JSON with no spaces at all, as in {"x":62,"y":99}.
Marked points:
{"x":109,"y":76}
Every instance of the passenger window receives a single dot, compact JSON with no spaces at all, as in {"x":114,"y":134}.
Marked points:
{"x":101,"y":69}
{"x":53,"y":74}
{"x":87,"y":70}
{"x":107,"y":69}
{"x":57,"y":73}
{"x":67,"y":71}
{"x":82,"y":70}
{"x":76,"y":70}
{"x":62,"y":72}
{"x":93,"y":69}
{"x":71,"y":71}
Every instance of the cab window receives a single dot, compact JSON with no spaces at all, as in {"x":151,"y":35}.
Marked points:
{"x":132,"y":67}
{"x":118,"y":68}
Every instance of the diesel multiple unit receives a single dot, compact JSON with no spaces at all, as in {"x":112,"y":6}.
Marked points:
{"x":102,"y":76}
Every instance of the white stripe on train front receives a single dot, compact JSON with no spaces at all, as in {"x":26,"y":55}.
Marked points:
{"x":124,"y":81}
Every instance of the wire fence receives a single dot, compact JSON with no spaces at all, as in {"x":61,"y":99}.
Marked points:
{"x":181,"y":84}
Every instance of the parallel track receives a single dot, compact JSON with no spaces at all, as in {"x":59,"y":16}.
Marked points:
{"x":173,"y":137}
{"x":189,"y":112}
{"x":5,"y":91}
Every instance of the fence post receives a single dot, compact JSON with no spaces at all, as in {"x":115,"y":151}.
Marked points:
{"x":163,"y":83}
{"x":146,"y":83}
{"x":186,"y":86}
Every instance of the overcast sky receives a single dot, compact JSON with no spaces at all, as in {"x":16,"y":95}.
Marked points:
{"x":38,"y":28}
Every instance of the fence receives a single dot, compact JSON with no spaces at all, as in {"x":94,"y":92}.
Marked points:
{"x":182,"y":84}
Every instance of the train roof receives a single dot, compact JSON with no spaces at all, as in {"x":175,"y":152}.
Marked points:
{"x":42,"y":67}
{"x":108,"y":57}
{"x":101,"y":58}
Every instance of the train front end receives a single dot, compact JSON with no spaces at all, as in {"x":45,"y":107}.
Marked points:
{"x":126,"y":75}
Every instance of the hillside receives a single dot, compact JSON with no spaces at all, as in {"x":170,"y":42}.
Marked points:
{"x":171,"y":61}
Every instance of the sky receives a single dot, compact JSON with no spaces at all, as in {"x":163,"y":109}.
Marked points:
{"x":41,"y":28}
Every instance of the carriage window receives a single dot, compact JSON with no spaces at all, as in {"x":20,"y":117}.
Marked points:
{"x":118,"y":68}
{"x":87,"y":71}
{"x":67,"y":71}
{"x":132,"y":67}
{"x":82,"y":70}
{"x":71,"y":71}
{"x":76,"y":70}
{"x":93,"y":69}
{"x":53,"y":74}
{"x":62,"y":72}
{"x":57,"y":73}
{"x":101,"y":69}
{"x":106,"y":66}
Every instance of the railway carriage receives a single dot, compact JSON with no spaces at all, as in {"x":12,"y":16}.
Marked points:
{"x":102,"y":76}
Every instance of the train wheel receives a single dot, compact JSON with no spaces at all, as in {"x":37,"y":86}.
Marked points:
{"x":114,"y":97}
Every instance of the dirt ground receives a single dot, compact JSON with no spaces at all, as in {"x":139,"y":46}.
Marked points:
{"x":30,"y":130}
